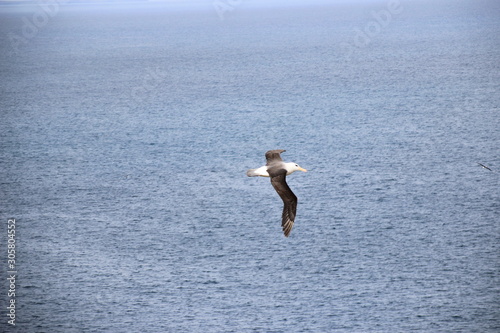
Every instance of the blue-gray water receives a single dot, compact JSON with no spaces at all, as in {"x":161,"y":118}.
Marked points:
{"x":126,"y":132}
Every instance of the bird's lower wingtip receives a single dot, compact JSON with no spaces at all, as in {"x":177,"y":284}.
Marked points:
{"x":287,"y":229}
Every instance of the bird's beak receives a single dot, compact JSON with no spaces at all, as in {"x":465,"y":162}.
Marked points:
{"x":302,"y":169}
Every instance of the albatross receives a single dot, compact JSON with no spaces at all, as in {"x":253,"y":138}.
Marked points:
{"x":277,"y":170}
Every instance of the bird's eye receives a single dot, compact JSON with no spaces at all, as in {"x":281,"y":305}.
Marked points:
{"x":296,"y":165}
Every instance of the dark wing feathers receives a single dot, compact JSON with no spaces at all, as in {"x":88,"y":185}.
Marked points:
{"x":278,"y":180}
{"x":273,"y":156}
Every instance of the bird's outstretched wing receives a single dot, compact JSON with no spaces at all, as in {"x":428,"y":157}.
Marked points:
{"x":278,"y":180}
{"x":273,"y":156}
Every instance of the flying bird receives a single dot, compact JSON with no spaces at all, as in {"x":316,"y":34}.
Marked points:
{"x":277,"y":170}
{"x":484,"y":166}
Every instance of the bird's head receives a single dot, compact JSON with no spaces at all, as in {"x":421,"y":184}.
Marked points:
{"x":292,"y":167}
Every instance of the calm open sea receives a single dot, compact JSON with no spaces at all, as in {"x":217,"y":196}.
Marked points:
{"x":126,"y":131}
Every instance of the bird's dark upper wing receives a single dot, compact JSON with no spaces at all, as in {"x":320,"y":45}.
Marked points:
{"x":278,"y":180}
{"x":273,"y":156}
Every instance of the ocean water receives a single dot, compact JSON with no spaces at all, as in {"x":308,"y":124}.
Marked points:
{"x":126,"y":131}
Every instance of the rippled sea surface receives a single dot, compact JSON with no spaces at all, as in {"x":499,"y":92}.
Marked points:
{"x":126,"y":131}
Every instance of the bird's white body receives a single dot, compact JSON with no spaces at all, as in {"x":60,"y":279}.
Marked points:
{"x":290,"y":167}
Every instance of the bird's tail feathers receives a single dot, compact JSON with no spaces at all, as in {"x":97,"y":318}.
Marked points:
{"x":252,"y":173}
